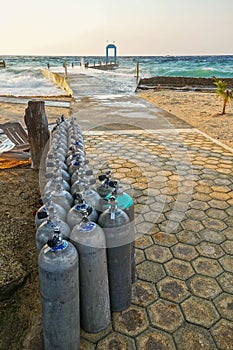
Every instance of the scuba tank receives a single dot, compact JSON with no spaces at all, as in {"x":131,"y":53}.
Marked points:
{"x":90,"y":196}
{"x":83,"y":172}
{"x":75,"y":163}
{"x":106,"y":186}
{"x":116,"y":225}
{"x":50,"y":162}
{"x":74,"y":215}
{"x":46,"y":229}
{"x":42,"y":212}
{"x":59,"y":290}
{"x":80,"y":183}
{"x":52,"y":181}
{"x":62,"y":197}
{"x":89,"y":239}
{"x":125,"y":202}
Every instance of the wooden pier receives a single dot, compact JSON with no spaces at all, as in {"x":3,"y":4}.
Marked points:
{"x":102,"y":65}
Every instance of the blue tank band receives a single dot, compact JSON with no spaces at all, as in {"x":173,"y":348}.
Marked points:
{"x":59,"y":247}
{"x":81,"y":206}
{"x":87,"y":227}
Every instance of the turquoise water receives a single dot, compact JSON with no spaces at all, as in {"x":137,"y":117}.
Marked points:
{"x":23,"y":73}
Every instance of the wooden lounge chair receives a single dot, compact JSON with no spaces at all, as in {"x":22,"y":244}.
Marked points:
{"x":16,"y":146}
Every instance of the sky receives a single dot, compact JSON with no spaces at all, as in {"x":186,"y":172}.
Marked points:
{"x":138,"y":27}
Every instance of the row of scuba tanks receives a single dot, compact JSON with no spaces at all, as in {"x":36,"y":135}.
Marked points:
{"x":85,"y":241}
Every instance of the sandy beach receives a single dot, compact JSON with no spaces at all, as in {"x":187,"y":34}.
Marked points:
{"x":200,"y":109}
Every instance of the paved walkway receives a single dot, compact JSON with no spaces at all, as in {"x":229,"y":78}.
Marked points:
{"x":182,"y":184}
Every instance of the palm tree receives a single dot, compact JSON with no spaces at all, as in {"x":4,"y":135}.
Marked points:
{"x":223,"y":92}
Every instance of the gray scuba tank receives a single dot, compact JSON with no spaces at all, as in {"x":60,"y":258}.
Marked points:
{"x":117,"y":229}
{"x":105,"y":187}
{"x":42,"y":212}
{"x":74,"y":216}
{"x":59,"y":290}
{"x":46,"y":229}
{"x":125,"y":202}
{"x":89,"y":239}
{"x":62,"y":197}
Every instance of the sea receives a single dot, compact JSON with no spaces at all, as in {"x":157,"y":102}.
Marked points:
{"x":23,"y":77}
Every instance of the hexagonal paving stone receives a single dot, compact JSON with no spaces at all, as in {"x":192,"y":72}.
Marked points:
{"x":207,"y":267}
{"x":228,"y":247}
{"x":199,"y":205}
{"x":227,"y":262}
{"x":153,"y":216}
{"x":184,"y":251}
{"x":131,"y":321}
{"x":143,"y":293}
{"x":158,"y":253}
{"x":188,"y":237}
{"x":204,"y":287}
{"x":210,"y":250}
{"x":226,"y":282}
{"x":203,"y":188}
{"x":140,"y":257}
{"x":220,"y":181}
{"x":223,"y":189}
{"x":116,"y":341}
{"x":220,"y":196}
{"x":200,"y":311}
{"x":192,"y":225}
{"x":155,"y":339}
{"x":230,"y":211}
{"x":223,"y":334}
{"x":191,"y":337}
{"x":228,"y":232}
{"x":141,"y":208}
{"x":224,"y":304}
{"x":229,"y":221}
{"x":165,"y":315}
{"x":170,"y":227}
{"x":180,"y":269}
{"x":173,"y":289}
{"x":216,"y":213}
{"x":214,"y":203}
{"x":150,"y":271}
{"x":201,"y":197}
{"x":214,"y":224}
{"x":144,"y":227}
{"x":212,"y":236}
{"x":196,"y":214}
{"x":143,"y":242}
{"x":165,"y":239}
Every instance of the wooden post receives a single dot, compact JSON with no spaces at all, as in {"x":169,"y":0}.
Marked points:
{"x":38,"y":132}
{"x":137,"y":70}
{"x":65,"y":66}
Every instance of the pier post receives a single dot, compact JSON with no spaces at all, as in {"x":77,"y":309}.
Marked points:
{"x":137,"y":70}
{"x":65,"y":66}
{"x":38,"y":132}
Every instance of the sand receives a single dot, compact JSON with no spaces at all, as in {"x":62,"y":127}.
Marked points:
{"x":16,"y":111}
{"x":200,"y":109}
